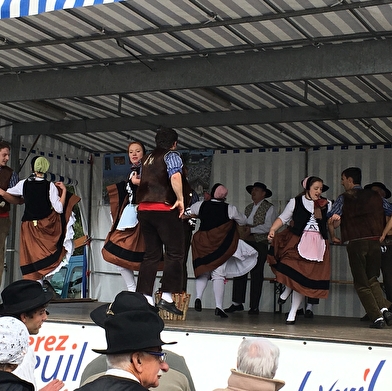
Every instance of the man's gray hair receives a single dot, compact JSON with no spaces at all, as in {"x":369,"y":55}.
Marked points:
{"x":119,"y":361}
{"x":258,"y":357}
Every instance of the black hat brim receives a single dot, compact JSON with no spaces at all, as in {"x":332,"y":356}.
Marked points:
{"x":27,"y":305}
{"x":268,"y":192}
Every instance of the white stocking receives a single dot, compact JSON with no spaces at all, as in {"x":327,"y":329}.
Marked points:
{"x":218,"y":286}
{"x":286,"y":293}
{"x":295,"y":303}
{"x":201,"y":284}
{"x":129,"y":278}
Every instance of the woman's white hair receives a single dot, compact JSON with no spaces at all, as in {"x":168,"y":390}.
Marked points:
{"x":258,"y":357}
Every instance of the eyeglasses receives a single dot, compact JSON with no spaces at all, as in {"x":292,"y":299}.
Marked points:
{"x":161,"y":355}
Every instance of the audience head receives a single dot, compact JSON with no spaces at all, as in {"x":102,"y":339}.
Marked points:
{"x":258,"y":357}
{"x":133,"y":336}
{"x":27,"y":301}
{"x":14,"y":343}
{"x":166,"y":138}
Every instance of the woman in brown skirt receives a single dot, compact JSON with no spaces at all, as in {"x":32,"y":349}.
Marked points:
{"x":47,"y":218}
{"x":124,"y":245}
{"x":299,"y":255}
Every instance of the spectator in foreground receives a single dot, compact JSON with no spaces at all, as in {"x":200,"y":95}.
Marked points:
{"x":27,"y":301}
{"x":257,"y":362}
{"x":178,"y":378}
{"x":14,"y":343}
{"x":134,"y":350}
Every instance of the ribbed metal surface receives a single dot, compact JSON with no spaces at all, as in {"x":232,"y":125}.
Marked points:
{"x":159,"y":30}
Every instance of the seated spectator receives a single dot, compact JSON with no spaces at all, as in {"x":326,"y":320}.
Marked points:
{"x":177,"y":379}
{"x":257,"y":362}
{"x":14,"y":343}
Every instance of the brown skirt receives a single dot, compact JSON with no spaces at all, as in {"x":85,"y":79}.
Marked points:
{"x":310,"y":278}
{"x":41,"y":242}
{"x":213,"y":248}
{"x":122,"y":248}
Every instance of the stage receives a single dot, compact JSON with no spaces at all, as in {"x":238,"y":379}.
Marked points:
{"x":266,"y":324}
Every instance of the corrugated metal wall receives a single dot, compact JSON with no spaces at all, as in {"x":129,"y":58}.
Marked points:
{"x":282,"y":170}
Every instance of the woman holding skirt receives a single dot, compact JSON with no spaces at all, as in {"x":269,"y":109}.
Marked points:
{"x":299,"y":255}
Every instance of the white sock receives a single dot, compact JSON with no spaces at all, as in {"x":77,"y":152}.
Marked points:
{"x":167,"y":296}
{"x":150,"y":300}
{"x":295,"y":303}
{"x":286,"y":293}
{"x":218,"y":286}
{"x":129,"y":278}
{"x":201,"y":284}
{"x":309,"y":307}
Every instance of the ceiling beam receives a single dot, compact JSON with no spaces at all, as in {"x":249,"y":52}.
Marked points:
{"x":224,"y":118}
{"x":370,"y":57}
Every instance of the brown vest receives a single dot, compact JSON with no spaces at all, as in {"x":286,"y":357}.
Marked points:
{"x":5,"y":177}
{"x":362,"y":215}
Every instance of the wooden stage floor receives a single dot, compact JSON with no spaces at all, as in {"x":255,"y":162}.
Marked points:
{"x":319,"y":328}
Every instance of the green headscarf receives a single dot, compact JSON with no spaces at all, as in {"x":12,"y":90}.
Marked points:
{"x":41,"y":165}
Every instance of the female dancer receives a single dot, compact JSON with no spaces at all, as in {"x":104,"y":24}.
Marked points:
{"x":300,"y":257}
{"x":124,"y":244}
{"x":46,"y":232}
{"x":217,"y":251}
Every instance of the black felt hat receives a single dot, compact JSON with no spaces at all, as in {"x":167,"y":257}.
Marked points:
{"x":381,"y":186}
{"x":124,"y":301}
{"x":268,"y":192}
{"x":132,"y":331}
{"x":130,"y":323}
{"x":23,"y":296}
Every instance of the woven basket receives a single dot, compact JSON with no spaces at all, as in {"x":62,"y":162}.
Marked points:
{"x":181,"y":301}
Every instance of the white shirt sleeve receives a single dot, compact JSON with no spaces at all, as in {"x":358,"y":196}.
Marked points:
{"x":287,"y":214}
{"x":54,"y":198}
{"x":17,"y":190}
{"x":236,"y":215}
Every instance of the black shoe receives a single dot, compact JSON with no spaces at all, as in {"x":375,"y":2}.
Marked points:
{"x":299,"y":312}
{"x":281,"y":301}
{"x":365,"y":318}
{"x":253,"y":311}
{"x":308,"y":314}
{"x":387,"y":317}
{"x":198,"y":305}
{"x":169,"y":307}
{"x":219,"y":312}
{"x":234,"y":308}
{"x":290,"y":321}
{"x":378,"y":324}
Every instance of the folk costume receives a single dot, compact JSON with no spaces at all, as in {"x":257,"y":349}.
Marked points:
{"x":260,"y":217}
{"x":299,"y":255}
{"x":362,"y":223}
{"x":161,"y":226}
{"x":217,"y":251}
{"x":124,"y":245}
{"x":46,"y":236}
